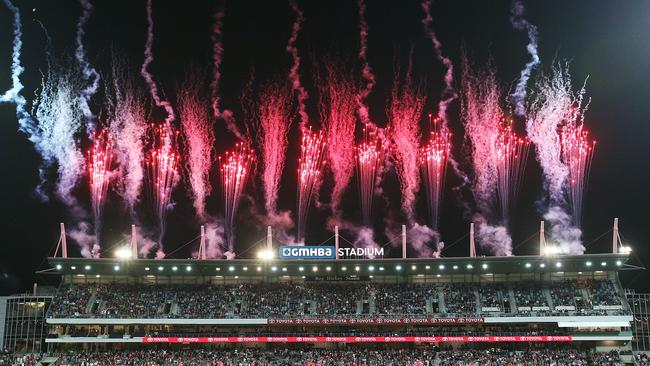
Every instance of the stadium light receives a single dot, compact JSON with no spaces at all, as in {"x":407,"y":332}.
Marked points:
{"x":146,"y":268}
{"x":542,"y":265}
{"x":87,"y":267}
{"x":588,"y":264}
{"x":123,"y":253}
{"x":245,"y":268}
{"x":381,"y":268}
{"x":188,"y":268}
{"x":274,"y":268}
{"x":398,"y":267}
{"x":174,"y":268}
{"x":97,"y":276}
{"x":266,"y":255}
{"x":441,"y":267}
{"x":413,"y":267}
{"x":455,"y":267}
{"x":603,"y":264}
{"x":301,"y":269}
{"x":484,"y":266}
{"x":551,"y":250}
{"x":117,"y":268}
{"x":625,"y":250}
{"x":357,"y":268}
{"x":328,"y":268}
{"x":469,"y":266}
{"x":618,"y":263}
{"x":427,"y":267}
{"x":160,"y":268}
{"x":259,"y":269}
{"x":231,"y":269}
{"x":73,"y":268}
{"x":58,"y":267}
{"x":558,"y":264}
{"x":528,"y":265}
{"x":284,"y":269}
{"x":371,"y":268}
{"x":344,"y":268}
{"x":314,"y":268}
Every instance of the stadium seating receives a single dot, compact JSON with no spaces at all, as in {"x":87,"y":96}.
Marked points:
{"x":269,"y":300}
{"x":259,"y":357}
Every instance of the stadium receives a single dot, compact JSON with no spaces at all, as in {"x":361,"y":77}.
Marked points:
{"x":323,"y":183}
{"x":535,"y":310}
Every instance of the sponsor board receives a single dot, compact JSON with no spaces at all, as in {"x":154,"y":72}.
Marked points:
{"x":364,"y":339}
{"x":307,"y":252}
{"x":327,"y":321}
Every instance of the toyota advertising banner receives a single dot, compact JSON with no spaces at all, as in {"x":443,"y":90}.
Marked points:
{"x":365,"y":339}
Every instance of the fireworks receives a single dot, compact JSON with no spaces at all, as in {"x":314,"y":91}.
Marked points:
{"x":161,"y":166}
{"x":199,"y":142}
{"x":511,"y":153}
{"x":577,"y":152}
{"x":337,"y":108}
{"x":99,"y":169}
{"x":405,"y":111}
{"x":274,"y":112}
{"x":564,"y":152}
{"x":310,"y":167}
{"x":369,"y":154}
{"x":433,"y":164}
{"x":236,"y":168}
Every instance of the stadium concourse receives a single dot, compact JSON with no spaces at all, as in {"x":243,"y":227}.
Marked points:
{"x":527,"y":310}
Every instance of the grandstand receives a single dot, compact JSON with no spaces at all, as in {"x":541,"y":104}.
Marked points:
{"x":382,"y":309}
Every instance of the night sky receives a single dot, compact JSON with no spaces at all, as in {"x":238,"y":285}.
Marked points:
{"x":606,"y":41}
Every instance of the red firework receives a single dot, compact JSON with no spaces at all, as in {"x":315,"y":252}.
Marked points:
{"x":577,"y":152}
{"x":161,"y":165}
{"x":433,"y":164}
{"x":310,"y":168}
{"x":99,"y":168}
{"x":369,"y":154}
{"x":236,"y":167}
{"x":511,"y":153}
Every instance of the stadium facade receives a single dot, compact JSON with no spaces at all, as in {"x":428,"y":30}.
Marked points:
{"x":325,"y":302}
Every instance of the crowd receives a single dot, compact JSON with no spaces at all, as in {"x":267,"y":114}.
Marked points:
{"x":565,"y":356}
{"x":529,"y":295}
{"x":265,"y":300}
{"x":460,"y":299}
{"x":249,"y":357}
{"x":545,"y":357}
{"x":11,"y":360}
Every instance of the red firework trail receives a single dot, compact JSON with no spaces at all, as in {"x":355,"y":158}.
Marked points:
{"x":577,"y":153}
{"x":274,"y":111}
{"x":199,"y":142}
{"x":161,"y":166}
{"x":310,"y":168}
{"x":369,"y":155}
{"x":236,"y":168}
{"x":294,"y":73}
{"x":448,"y":94}
{"x":337,"y":109}
{"x":366,"y":73}
{"x":433,"y":164}
{"x":511,"y":153}
{"x":99,"y":169}
{"x":144,"y":70}
{"x":405,"y":111}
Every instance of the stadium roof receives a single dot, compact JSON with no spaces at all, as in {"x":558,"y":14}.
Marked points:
{"x":341,"y":267}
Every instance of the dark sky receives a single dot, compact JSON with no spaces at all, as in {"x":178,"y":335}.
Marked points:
{"x":605,"y":40}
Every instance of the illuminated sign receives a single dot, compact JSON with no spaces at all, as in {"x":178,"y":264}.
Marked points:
{"x":307,"y":252}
